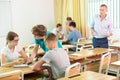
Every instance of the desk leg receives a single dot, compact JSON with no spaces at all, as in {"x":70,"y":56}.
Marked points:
{"x":118,"y":72}
{"x":118,"y":56}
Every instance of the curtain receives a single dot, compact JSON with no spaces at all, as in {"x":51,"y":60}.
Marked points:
{"x":58,"y":11}
{"x":76,"y":9}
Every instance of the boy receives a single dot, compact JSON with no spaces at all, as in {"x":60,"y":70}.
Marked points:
{"x":58,"y":31}
{"x":68,"y":20}
{"x":40,"y":32}
{"x":56,"y":57}
{"x":73,"y":35}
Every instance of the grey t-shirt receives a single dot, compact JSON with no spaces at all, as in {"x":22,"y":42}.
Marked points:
{"x":58,"y":60}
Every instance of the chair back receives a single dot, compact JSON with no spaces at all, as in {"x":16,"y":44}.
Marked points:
{"x":48,"y":68}
{"x":73,"y":70}
{"x":66,"y":49}
{"x":104,"y":63}
{"x":81,"y":39}
{"x":30,"y":47}
{"x":78,"y":46}
{"x":87,"y":47}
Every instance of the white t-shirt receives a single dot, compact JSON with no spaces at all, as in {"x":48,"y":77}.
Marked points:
{"x":55,"y":31}
{"x":58,"y":60}
{"x":11,"y":56}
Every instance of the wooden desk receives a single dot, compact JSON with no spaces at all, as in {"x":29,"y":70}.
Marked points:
{"x":116,"y":47}
{"x":89,"y":75}
{"x":89,"y":53}
{"x":12,"y":75}
{"x":117,"y":65}
{"x":8,"y":69}
{"x":68,"y":46}
{"x":86,"y":42}
{"x":25,"y":72}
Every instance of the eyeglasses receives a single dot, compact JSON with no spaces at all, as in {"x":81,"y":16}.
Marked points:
{"x":16,"y":40}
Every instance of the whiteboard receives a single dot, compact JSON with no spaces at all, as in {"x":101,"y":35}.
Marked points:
{"x":5,"y":17}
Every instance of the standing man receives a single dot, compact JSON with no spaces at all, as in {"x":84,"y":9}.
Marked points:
{"x":101,"y":28}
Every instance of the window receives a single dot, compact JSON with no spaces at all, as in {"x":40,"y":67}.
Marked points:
{"x":113,"y":10}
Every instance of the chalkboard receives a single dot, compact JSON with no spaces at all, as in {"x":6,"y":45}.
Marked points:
{"x":5,"y":17}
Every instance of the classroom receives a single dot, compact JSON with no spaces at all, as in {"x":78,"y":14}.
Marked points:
{"x":60,"y":40}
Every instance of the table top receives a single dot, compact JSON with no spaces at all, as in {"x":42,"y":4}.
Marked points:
{"x":8,"y":69}
{"x":86,"y":42}
{"x":115,"y":44}
{"x":116,"y":63}
{"x":90,"y":75}
{"x":88,"y":53}
{"x":68,"y":46}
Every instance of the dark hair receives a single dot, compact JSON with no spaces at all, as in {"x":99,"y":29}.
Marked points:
{"x":58,"y":25}
{"x":51,"y":37}
{"x":10,"y":36}
{"x":68,"y":18}
{"x":72,"y":24}
{"x":103,"y":5}
{"x":39,"y":30}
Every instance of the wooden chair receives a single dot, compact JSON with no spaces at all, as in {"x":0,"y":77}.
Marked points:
{"x":86,"y":61}
{"x":66,"y":49}
{"x":104,"y":63}
{"x":30,"y":47}
{"x":12,"y":75}
{"x":81,"y":46}
{"x":115,"y":56}
{"x":81,"y":39}
{"x":78,"y":46}
{"x":87,"y":47}
{"x":73,"y":70}
{"x":48,"y":68}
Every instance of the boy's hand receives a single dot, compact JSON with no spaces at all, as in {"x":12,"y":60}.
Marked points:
{"x":29,"y":60}
{"x":36,"y":67}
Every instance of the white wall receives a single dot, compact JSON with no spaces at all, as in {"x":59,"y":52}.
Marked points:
{"x":27,"y":13}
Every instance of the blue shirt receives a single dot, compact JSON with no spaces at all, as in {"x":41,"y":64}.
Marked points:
{"x":43,"y":45}
{"x":101,"y":28}
{"x":73,"y":36}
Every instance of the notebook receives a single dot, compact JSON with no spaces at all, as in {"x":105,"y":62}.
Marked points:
{"x":76,"y":54}
{"x":20,"y":65}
